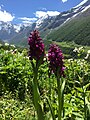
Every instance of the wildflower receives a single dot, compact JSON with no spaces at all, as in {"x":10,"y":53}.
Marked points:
{"x":87,"y":56}
{"x":80,"y":48}
{"x":88,"y":51}
{"x":36,"y":50}
{"x":13,"y":46}
{"x":75,"y":50}
{"x":70,"y":60}
{"x":55,"y":58}
{"x":7,"y":51}
{"x":6,"y":44}
{"x":36,"y":55}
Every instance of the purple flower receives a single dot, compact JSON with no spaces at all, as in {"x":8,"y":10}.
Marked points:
{"x":37,"y":49}
{"x":55,"y":57}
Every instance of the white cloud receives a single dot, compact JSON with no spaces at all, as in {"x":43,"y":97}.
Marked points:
{"x":26,"y":22}
{"x":53,"y":13}
{"x":43,"y":13}
{"x":28,"y":19}
{"x":40,"y":14}
{"x":5,"y":16}
{"x":64,"y":1}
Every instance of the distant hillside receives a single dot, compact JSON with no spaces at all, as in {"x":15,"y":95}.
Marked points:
{"x":77,"y":30}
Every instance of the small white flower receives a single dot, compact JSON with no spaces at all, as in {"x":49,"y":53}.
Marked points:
{"x":6,"y":44}
{"x":7,"y":51}
{"x":69,"y":60}
{"x":15,"y":50}
{"x":80,"y":48}
{"x":13,"y":46}
{"x":11,"y":50}
{"x":75,"y":50}
{"x":27,"y":57}
{"x":87,"y":56}
{"x":46,"y":55}
{"x":88,"y":51}
{"x":44,"y":59}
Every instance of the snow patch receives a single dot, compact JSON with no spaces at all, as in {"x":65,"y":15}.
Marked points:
{"x":76,"y":9}
{"x":75,"y":15}
{"x":40,"y":20}
{"x":67,"y":20}
{"x":83,"y":2}
{"x":86,"y":8}
{"x":65,"y":14}
{"x":17,"y":28}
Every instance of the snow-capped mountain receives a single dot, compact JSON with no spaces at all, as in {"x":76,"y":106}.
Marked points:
{"x":57,"y":21}
{"x":76,"y":27}
{"x":40,"y":21}
{"x":9,"y":30}
{"x":45,"y":24}
{"x":6,"y":30}
{"x":83,"y":3}
{"x":83,"y":6}
{"x":7,"y":26}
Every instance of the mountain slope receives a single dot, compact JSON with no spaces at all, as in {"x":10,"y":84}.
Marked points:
{"x":76,"y":29}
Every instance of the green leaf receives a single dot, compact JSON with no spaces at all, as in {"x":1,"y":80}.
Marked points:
{"x":67,"y":105}
{"x":77,"y":114}
{"x":88,"y":111}
{"x":77,"y":118}
{"x":63,"y":86}
{"x":3,"y":72}
{"x":51,"y":109}
{"x":78,"y":82}
{"x":79,"y":89}
{"x":86,"y":86}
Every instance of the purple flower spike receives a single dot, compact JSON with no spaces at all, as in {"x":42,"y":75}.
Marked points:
{"x":55,"y":57}
{"x":36,"y":44}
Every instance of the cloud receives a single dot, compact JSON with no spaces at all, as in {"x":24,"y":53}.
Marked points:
{"x":43,"y":13}
{"x":27,"y":20}
{"x":64,"y":1}
{"x":5,"y":16}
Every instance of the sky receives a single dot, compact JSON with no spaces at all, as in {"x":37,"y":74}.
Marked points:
{"x":28,"y":11}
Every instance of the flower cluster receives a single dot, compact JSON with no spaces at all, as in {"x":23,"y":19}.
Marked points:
{"x":55,"y":57}
{"x":36,"y":50}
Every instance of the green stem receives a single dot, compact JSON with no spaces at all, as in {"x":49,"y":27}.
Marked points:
{"x":51,"y":109}
{"x":84,"y":94}
{"x":50,"y":95}
{"x":85,"y":114}
{"x":59,"y":99}
{"x":36,"y":97}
